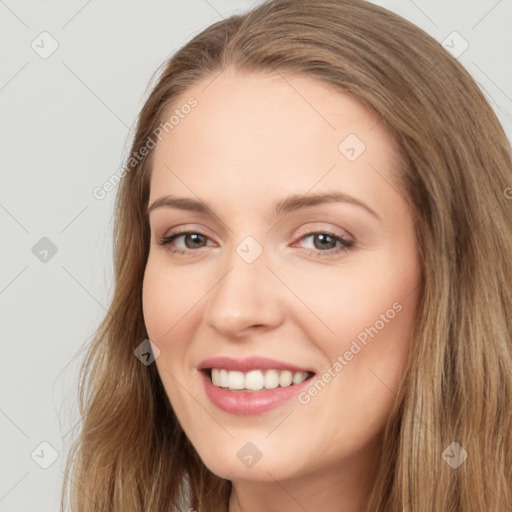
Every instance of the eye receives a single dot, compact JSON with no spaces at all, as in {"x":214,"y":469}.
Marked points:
{"x":193,"y":240}
{"x":325,"y":243}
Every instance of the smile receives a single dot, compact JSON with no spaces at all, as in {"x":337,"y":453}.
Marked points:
{"x":256,"y":380}
{"x":252,"y":385}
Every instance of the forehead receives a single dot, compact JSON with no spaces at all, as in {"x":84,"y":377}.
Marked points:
{"x":271,"y":134}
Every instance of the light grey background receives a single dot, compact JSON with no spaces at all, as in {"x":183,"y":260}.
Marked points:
{"x":66,"y":122}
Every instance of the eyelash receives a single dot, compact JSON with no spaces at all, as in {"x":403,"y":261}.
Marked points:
{"x":345,"y":244}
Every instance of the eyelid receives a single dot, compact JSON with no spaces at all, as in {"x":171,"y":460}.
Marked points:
{"x":342,"y":233}
{"x":303,"y":231}
{"x":186,"y":229}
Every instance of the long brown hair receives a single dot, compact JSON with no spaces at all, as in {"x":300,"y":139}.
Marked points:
{"x":131,"y":453}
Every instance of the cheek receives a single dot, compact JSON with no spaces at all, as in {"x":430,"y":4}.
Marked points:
{"x":372,"y":315}
{"x":344,"y":303}
{"x":168,"y":310}
{"x":363,"y":325}
{"x":167,"y":302}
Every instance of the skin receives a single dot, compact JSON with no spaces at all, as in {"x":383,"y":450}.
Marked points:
{"x":251,"y":140}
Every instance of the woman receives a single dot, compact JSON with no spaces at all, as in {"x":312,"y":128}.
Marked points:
{"x":314,"y":232}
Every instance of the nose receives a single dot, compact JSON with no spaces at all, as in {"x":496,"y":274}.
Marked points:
{"x":247,"y":298}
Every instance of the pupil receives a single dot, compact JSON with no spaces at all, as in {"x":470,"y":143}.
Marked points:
{"x":324,"y":237}
{"x":196,"y":238}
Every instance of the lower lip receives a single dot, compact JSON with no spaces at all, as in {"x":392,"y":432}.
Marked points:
{"x":249,"y":403}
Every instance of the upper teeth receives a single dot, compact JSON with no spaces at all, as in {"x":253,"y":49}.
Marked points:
{"x":255,"y":379}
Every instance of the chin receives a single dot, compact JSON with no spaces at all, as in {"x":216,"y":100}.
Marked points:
{"x":246,"y":463}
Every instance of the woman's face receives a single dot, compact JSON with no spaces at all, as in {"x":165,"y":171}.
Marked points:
{"x":327,"y":286}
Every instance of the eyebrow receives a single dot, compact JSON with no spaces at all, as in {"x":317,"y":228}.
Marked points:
{"x":280,"y":207}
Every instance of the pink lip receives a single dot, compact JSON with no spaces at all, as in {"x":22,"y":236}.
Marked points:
{"x":247,"y":404}
{"x":249,"y":363}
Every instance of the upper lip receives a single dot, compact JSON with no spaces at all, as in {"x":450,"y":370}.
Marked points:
{"x":249,"y":363}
